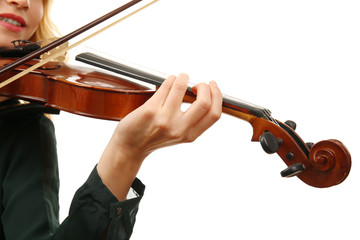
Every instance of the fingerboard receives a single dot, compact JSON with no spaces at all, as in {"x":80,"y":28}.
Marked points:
{"x":131,"y":72}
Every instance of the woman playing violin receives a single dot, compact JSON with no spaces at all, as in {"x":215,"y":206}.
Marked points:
{"x":101,"y":207}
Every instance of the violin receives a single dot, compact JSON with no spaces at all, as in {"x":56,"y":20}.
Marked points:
{"x":92,"y":93}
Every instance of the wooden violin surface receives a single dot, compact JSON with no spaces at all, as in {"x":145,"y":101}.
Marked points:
{"x":77,"y":90}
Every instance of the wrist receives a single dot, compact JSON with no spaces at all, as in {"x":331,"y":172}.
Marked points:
{"x":117,"y":169}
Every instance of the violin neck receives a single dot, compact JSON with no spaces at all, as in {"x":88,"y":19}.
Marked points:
{"x":244,"y":110}
{"x":232,"y":106}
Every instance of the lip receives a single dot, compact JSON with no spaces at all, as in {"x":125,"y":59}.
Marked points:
{"x":12,"y":27}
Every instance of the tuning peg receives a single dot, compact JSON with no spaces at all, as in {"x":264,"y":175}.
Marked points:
{"x":309,"y":144}
{"x":269,"y":143}
{"x":293,"y":170}
{"x":291,"y":124}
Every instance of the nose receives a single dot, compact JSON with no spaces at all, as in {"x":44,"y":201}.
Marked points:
{"x":19,"y":3}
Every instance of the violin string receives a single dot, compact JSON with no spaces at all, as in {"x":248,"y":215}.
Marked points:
{"x":267,"y":113}
{"x":145,"y":76}
{"x":62,"y":51}
{"x":130,"y":64}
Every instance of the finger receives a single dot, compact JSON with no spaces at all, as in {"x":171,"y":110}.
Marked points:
{"x":200,"y":106}
{"x":213,"y":114}
{"x":162,"y":93}
{"x":177,"y":93}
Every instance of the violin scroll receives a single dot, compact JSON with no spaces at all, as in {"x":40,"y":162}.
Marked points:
{"x":329,"y":158}
{"x":332,"y":158}
{"x":324,"y":164}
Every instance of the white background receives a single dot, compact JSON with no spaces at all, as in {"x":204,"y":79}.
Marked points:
{"x":300,"y":59}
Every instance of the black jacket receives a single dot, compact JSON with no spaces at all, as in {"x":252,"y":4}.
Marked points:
{"x":29,"y":182}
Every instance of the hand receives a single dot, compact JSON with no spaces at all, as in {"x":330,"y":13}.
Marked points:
{"x":160,"y":122}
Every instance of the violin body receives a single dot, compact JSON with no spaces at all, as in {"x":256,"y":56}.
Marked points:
{"x":77,"y":90}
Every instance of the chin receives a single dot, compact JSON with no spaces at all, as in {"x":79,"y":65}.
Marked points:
{"x":5,"y":42}
{"x":6,"y":38}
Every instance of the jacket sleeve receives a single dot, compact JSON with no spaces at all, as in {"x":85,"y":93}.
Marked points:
{"x":95,"y":211}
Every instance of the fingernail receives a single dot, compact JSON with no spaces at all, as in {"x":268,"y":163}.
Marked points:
{"x":214,"y":83}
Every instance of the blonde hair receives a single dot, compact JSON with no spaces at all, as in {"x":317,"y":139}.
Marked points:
{"x":46,"y":29}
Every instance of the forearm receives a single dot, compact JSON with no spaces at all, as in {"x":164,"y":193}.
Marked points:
{"x":158,"y":123}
